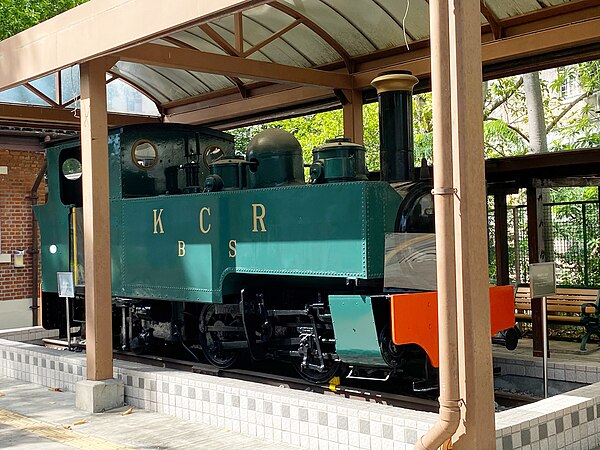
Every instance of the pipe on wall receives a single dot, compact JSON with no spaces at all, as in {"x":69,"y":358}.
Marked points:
{"x":35,"y":251}
{"x":449,"y":415}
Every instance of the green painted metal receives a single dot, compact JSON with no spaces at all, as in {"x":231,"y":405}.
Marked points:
{"x":182,"y":247}
{"x":233,"y":172}
{"x":277,"y":159}
{"x":202,"y":246}
{"x":53,"y":219}
{"x":126,"y":179}
{"x":355,"y":331}
{"x":338,"y":160}
{"x":176,"y":145}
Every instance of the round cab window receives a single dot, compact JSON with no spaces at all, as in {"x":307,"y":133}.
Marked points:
{"x":71,"y":169}
{"x":212,"y":154}
{"x":144,"y":154}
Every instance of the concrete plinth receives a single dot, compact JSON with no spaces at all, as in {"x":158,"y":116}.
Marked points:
{"x":99,"y":396}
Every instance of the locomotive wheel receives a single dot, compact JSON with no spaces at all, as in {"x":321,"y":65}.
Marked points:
{"x":332,"y":369}
{"x":210,"y":341}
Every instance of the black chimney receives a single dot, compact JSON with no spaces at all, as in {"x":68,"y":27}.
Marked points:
{"x":394,"y":90}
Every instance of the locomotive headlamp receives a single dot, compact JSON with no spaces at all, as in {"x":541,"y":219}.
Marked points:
{"x":53,"y":249}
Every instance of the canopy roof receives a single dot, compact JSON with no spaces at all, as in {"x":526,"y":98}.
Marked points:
{"x":226,"y":62}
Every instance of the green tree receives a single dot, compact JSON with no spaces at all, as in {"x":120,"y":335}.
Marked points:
{"x":18,"y":15}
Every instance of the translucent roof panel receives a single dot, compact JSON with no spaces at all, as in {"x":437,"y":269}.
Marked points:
{"x":329,"y":19}
{"x":122,"y":98}
{"x":159,"y":87}
{"x":416,"y":21}
{"x":46,"y":85}
{"x":299,"y":46}
{"x":282,"y":50}
{"x":508,"y":8}
{"x":21,"y":95}
{"x":372,"y":22}
{"x":225,"y":29}
{"x":312,"y":45}
{"x":70,"y":83}
{"x":195,"y":38}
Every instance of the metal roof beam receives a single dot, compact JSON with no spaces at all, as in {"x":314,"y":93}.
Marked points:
{"x":492,"y":20}
{"x":88,"y":31}
{"x":253,"y":106}
{"x":46,"y":115}
{"x":197,"y":61}
{"x":518,"y":47}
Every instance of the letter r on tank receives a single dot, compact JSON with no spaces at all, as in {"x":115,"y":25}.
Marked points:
{"x":158,"y":226}
{"x":258,"y":216}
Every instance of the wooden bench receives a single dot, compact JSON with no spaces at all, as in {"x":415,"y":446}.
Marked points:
{"x":569,"y":306}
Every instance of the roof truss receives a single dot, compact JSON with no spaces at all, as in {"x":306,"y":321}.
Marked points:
{"x":569,"y":31}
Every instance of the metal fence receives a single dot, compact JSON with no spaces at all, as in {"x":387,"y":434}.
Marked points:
{"x":571,"y":239}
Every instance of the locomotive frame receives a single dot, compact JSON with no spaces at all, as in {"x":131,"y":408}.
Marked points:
{"x":248,"y":259}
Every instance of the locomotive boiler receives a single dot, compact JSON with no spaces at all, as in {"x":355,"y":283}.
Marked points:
{"x":230,"y":256}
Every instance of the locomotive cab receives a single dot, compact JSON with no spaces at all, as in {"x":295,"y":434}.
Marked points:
{"x":144,"y":161}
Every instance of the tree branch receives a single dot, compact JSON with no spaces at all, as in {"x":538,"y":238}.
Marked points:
{"x":515,"y":129}
{"x":500,"y":101}
{"x":568,"y":108}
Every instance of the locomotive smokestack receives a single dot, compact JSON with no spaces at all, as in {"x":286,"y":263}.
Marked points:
{"x":394,"y":90}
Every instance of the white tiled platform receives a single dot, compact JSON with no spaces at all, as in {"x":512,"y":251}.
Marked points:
{"x":303,"y":419}
{"x":568,"y":421}
{"x":27,"y":334}
{"x":566,"y":363}
{"x":309,"y":420}
{"x":48,"y":413}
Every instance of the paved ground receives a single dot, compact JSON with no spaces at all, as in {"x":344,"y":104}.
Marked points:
{"x":32,"y":417}
{"x":560,"y":351}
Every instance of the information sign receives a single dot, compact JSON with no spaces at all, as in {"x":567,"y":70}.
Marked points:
{"x":66,"y":287}
{"x":542,"y":279}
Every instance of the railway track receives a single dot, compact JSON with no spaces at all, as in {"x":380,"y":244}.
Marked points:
{"x":505,"y":399}
{"x":283,"y":381}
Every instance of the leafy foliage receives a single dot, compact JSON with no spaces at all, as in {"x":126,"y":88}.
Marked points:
{"x":18,"y":15}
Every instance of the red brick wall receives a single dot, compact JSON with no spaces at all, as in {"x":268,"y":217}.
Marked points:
{"x":15,"y":218}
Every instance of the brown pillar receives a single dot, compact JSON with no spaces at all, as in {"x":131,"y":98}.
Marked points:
{"x":353,"y":116}
{"x":477,"y":429}
{"x":535,"y":244}
{"x":501,"y":239}
{"x":96,"y":219}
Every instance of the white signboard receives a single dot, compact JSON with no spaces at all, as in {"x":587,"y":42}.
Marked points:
{"x":66,"y":287}
{"x":542,"y":279}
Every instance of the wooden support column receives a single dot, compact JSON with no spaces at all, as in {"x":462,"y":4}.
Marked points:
{"x":501,"y":239}
{"x":476,"y":429}
{"x":353,"y":116}
{"x":96,"y":219}
{"x":535,"y":236}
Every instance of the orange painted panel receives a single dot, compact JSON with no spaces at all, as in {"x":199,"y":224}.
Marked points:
{"x":502,"y":308}
{"x":415,"y":319}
